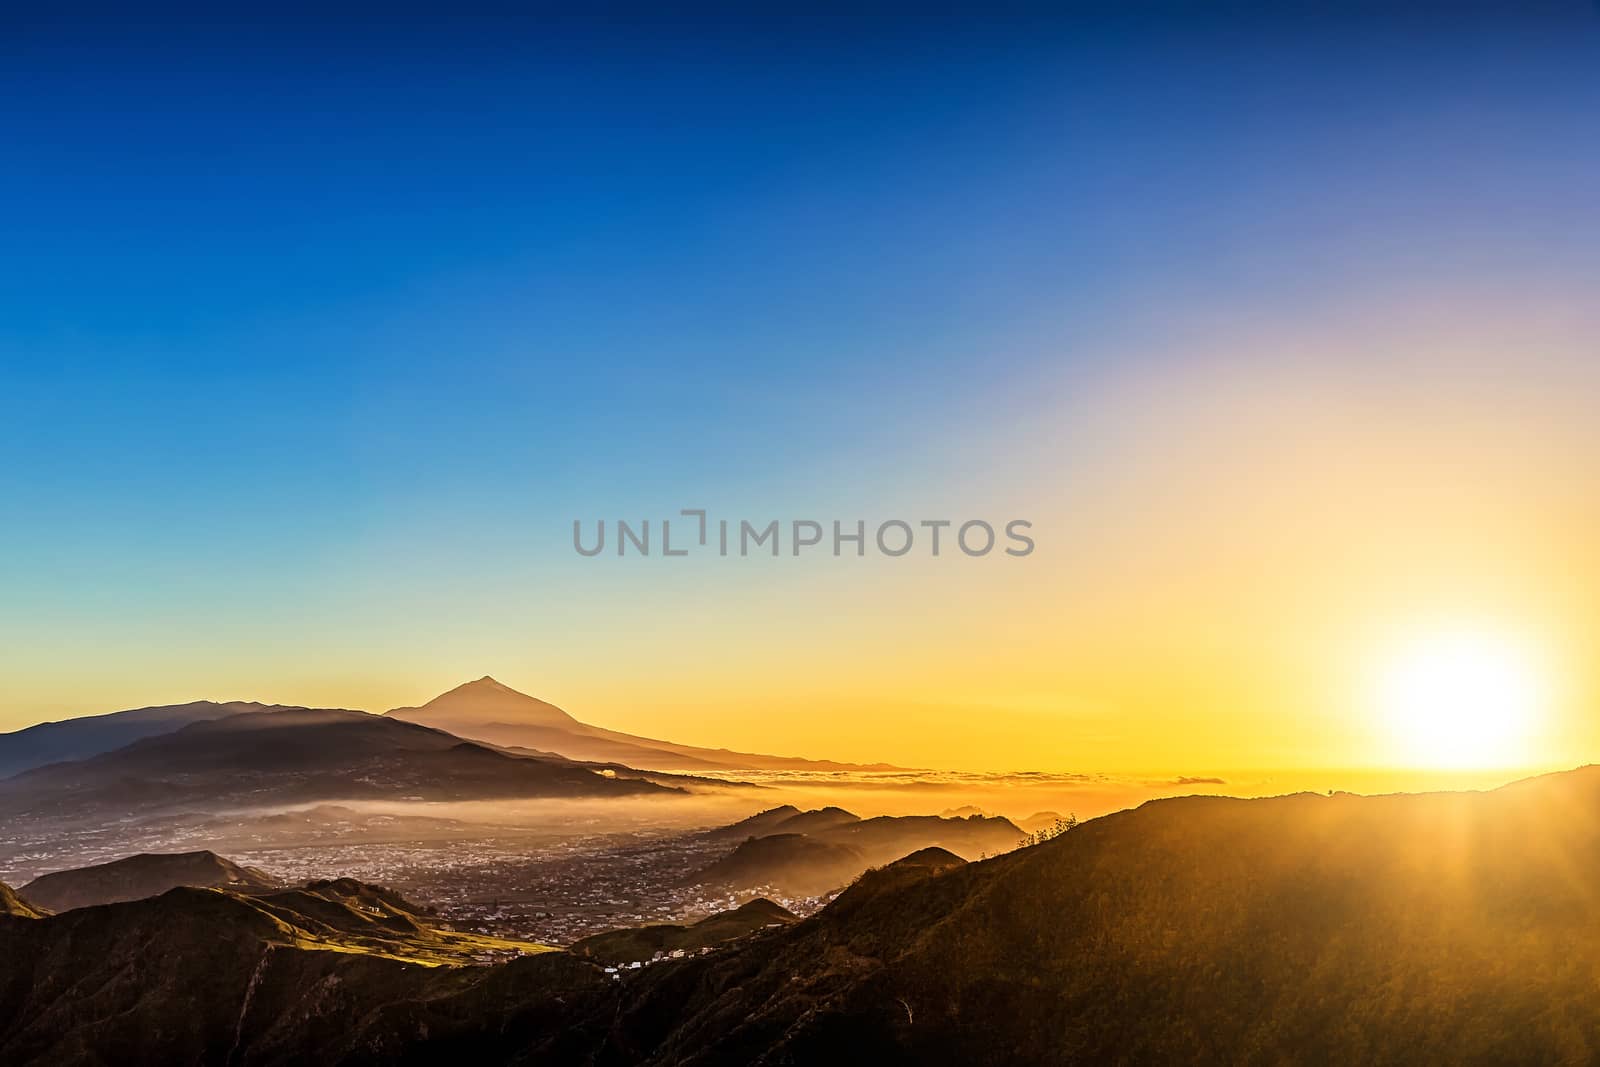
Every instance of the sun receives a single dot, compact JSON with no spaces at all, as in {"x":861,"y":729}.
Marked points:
{"x":1461,"y":699}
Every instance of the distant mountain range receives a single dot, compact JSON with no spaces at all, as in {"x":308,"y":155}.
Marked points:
{"x":490,"y":711}
{"x":760,"y":824}
{"x":90,"y":735}
{"x":295,"y":756}
{"x":481,"y":740}
{"x":793,"y":864}
{"x":808,"y":853}
{"x":784,"y":819}
{"x":1402,"y":929}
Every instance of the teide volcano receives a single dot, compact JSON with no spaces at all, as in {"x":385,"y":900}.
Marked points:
{"x":489,"y":711}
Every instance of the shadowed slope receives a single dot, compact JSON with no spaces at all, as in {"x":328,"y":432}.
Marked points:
{"x":1403,"y":929}
{"x":209,"y":976}
{"x":90,"y":735}
{"x":136,"y":877}
{"x":758,"y":825}
{"x":625,"y":946}
{"x":841,"y":846}
{"x":813,"y":822}
{"x":791,"y":863}
{"x":298,"y":756}
{"x":1398,"y":930}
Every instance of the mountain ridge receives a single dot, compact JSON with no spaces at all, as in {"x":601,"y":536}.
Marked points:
{"x":1400,"y":929}
{"x":298,"y":755}
{"x":813,"y":852}
{"x":492,"y":711}
{"x":147,"y":874}
{"x":64,"y":740}
{"x":481,"y":710}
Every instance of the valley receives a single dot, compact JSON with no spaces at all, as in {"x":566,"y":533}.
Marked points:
{"x":374,"y":889}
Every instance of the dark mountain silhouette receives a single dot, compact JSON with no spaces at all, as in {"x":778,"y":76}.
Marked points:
{"x":642,"y":943}
{"x":1400,"y":929}
{"x":489,"y":711}
{"x":297,"y":756}
{"x":1438,"y":928}
{"x":76,"y":739}
{"x":214,"y":977}
{"x":14,"y":905}
{"x":816,"y":821}
{"x":882,"y":839}
{"x":790,"y":863}
{"x":217,"y":976}
{"x":963,"y":812}
{"x":483,"y":710}
{"x":932,"y":858}
{"x":136,"y":877}
{"x":758,"y":825}
{"x":841,"y":845}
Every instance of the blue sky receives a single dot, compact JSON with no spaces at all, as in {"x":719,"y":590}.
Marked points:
{"x":295,"y":314}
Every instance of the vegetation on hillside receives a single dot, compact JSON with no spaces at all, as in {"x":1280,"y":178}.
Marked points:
{"x":646,"y":942}
{"x":1442,"y":928}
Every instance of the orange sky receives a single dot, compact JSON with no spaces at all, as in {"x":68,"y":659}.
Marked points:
{"x":1282,"y":337}
{"x":1229,"y":542}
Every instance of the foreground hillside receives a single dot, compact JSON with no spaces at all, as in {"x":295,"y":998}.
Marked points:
{"x":1452,"y":928}
{"x":184,"y":977}
{"x":1403,"y":929}
{"x":642,"y":943}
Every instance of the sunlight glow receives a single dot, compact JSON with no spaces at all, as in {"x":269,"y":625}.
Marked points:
{"x":1462,"y":699}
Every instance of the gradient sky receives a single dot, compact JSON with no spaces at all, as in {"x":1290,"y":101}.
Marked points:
{"x":315,"y":337}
